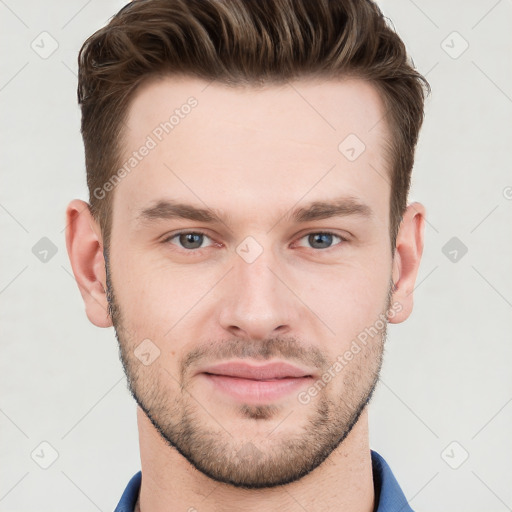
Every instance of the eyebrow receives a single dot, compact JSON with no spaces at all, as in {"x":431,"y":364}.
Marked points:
{"x":166,"y":209}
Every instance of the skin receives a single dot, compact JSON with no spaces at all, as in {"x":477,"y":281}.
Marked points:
{"x":254,"y":155}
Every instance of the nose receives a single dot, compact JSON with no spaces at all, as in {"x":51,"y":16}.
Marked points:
{"x":256,"y":302}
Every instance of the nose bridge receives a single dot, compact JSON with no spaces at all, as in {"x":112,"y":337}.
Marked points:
{"x":257,"y":302}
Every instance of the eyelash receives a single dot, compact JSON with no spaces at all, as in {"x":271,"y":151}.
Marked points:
{"x":198,"y":251}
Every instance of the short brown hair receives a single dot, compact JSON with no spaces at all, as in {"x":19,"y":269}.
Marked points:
{"x":244,"y":42}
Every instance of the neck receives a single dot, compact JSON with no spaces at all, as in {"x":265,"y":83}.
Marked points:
{"x":343,"y":482}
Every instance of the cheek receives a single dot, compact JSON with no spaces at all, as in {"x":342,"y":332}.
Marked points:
{"x":347,"y":298}
{"x":156,"y":297}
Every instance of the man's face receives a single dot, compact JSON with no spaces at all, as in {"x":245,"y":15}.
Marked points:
{"x":260,"y":284}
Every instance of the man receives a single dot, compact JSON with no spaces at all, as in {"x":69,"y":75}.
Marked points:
{"x":249,"y":238}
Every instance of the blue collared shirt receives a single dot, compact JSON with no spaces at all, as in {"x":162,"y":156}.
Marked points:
{"x":388,"y":494}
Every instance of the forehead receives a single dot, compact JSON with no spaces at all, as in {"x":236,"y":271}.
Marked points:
{"x":253,"y":148}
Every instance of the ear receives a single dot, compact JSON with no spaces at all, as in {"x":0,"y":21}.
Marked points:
{"x":85,"y":249}
{"x":406,"y":262}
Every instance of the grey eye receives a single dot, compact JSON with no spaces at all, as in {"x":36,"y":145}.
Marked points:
{"x":189,"y":240}
{"x":321,"y":240}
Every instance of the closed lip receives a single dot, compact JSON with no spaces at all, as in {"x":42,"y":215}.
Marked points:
{"x":269,"y":371}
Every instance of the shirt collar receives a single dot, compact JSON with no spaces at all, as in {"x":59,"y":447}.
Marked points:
{"x":389,"y":497}
{"x":388,"y":494}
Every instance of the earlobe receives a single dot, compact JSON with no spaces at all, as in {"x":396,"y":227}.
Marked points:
{"x":85,"y":250}
{"x":409,"y":249}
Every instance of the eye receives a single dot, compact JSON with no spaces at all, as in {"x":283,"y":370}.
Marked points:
{"x":322,"y":239}
{"x":193,"y":240}
{"x":188,"y":240}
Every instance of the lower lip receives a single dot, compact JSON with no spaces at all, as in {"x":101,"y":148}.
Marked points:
{"x":256,"y":391}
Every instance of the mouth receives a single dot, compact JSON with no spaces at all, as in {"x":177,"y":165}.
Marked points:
{"x":270,"y":371}
{"x":256,"y":384}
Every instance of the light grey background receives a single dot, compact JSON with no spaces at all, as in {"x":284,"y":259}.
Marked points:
{"x":446,"y":386}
